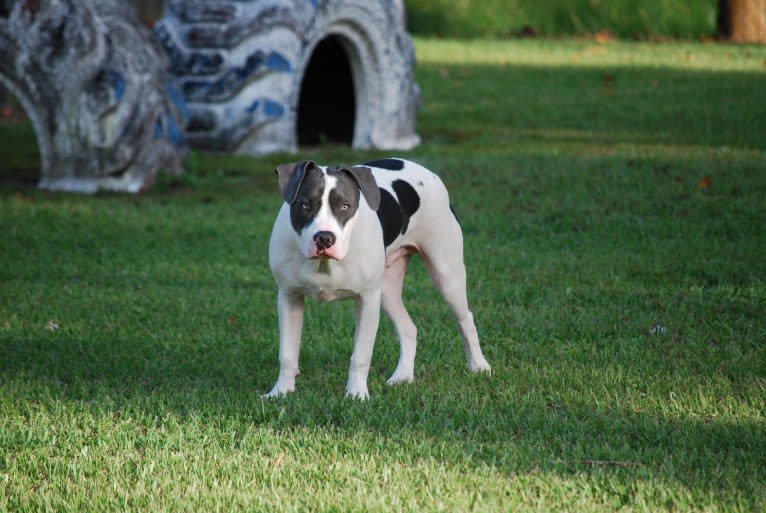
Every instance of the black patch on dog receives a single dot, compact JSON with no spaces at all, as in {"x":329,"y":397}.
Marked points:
{"x":390,"y":164}
{"x":408,"y":199}
{"x":394,"y":213}
{"x":308,"y":200}
{"x":345,"y":194}
{"x":390,"y":216}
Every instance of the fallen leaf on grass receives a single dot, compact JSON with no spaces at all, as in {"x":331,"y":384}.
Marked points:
{"x":20,"y":196}
{"x":607,"y":80}
{"x":526,"y":31}
{"x":278,"y":461}
{"x":603,"y":36}
{"x":705,"y":182}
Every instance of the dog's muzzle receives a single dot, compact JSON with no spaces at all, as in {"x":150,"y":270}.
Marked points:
{"x":324,"y":240}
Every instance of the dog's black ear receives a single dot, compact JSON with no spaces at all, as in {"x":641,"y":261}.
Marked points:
{"x":291,"y":177}
{"x":366,"y":182}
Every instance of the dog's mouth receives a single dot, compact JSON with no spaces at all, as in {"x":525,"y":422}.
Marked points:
{"x":316,"y":251}
{"x":323,"y":255}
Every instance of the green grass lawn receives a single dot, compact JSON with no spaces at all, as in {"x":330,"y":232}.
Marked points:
{"x":613,"y":199}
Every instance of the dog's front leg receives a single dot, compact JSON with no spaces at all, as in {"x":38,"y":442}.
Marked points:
{"x":367,"y":318}
{"x":290,"y":310}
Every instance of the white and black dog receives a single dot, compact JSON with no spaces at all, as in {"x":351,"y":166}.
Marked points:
{"x":349,"y":232}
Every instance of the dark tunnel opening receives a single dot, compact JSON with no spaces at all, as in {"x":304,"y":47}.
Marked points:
{"x":326,"y":106}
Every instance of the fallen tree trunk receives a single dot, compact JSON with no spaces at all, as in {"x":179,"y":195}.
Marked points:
{"x":742,"y":21}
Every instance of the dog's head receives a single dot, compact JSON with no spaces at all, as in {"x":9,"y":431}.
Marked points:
{"x":324,"y":203}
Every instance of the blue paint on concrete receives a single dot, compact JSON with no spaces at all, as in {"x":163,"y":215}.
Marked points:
{"x":272,"y":109}
{"x":167,"y":126}
{"x":201,"y":63}
{"x":230,"y":82}
{"x":277,"y":62}
{"x":261,"y":111}
{"x":117,"y":82}
{"x":193,"y":62}
{"x":178,"y":100}
{"x":175,"y":135}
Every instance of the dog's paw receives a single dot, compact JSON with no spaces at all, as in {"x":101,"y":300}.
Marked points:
{"x":480,"y":366}
{"x":278,"y":391}
{"x":357,"y":391}
{"x":400,"y":376}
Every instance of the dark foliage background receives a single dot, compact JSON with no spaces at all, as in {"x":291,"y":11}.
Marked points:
{"x":506,"y":18}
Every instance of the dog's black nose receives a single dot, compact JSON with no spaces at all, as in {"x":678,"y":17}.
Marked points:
{"x":324,"y":240}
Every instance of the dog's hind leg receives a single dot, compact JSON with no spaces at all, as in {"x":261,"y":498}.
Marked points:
{"x":393,"y":305}
{"x":443,"y":258}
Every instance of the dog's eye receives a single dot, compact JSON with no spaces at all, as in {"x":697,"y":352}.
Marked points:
{"x":344,"y":207}
{"x":306,"y":205}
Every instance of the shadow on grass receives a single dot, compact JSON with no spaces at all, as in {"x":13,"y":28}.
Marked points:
{"x":497,"y":423}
